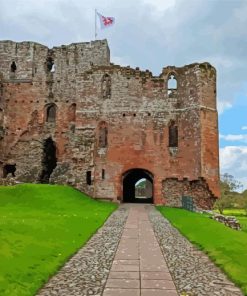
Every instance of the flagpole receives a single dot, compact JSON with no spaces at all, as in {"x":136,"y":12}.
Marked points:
{"x":95,"y":25}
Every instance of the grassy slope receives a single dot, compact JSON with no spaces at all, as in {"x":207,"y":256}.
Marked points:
{"x":40,"y":227}
{"x":241,"y":216}
{"x":227,"y":247}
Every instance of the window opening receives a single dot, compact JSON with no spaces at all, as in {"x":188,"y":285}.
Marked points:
{"x":103,"y":132}
{"x":49,"y":160}
{"x":103,"y":174}
{"x":172,"y":82}
{"x":13,"y":67}
{"x":9,"y":169}
{"x":89,"y":178}
{"x":50,"y":64}
{"x":106,"y":86}
{"x":173,"y":135}
{"x":51,"y":113}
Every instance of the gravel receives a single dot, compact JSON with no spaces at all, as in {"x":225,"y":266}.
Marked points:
{"x":194,"y":274}
{"x":86,"y":272}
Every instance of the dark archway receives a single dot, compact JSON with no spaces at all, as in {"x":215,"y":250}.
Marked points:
{"x":9,"y":169}
{"x":49,"y":160}
{"x":130,"y":178}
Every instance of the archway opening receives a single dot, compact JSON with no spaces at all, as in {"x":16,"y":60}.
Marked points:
{"x":49,"y":161}
{"x":138,"y":186}
{"x":9,"y":169}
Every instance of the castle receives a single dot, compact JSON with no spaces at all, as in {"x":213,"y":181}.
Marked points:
{"x":70,"y":116}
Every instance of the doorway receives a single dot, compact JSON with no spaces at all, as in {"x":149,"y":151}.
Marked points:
{"x":49,"y":160}
{"x":138,"y":186}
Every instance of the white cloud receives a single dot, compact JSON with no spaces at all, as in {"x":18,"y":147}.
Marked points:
{"x":159,"y":5}
{"x":233,"y":160}
{"x":244,"y":128}
{"x":233,"y":138}
{"x":223,"y":105}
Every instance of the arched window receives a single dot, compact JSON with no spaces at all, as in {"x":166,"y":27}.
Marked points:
{"x":173,"y":134}
{"x":103,"y":135}
{"x":51,"y":113}
{"x":172,"y":82}
{"x":106,"y":86}
{"x":71,"y":113}
{"x":13,"y":67}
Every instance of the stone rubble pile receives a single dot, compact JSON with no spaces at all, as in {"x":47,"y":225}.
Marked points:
{"x":229,"y":221}
{"x":9,"y":181}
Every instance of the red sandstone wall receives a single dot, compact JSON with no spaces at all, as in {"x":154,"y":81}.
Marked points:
{"x":137,"y":112}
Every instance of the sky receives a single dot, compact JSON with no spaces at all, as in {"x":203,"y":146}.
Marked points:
{"x":152,"y":34}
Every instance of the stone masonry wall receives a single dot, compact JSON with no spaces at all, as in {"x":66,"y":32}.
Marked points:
{"x":108,"y":119}
{"x":174,"y":190}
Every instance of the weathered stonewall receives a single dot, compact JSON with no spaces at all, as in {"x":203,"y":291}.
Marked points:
{"x":69,"y":116}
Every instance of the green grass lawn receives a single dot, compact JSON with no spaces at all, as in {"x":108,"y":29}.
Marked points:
{"x":241,"y":216}
{"x":227,"y":247}
{"x":41,"y":226}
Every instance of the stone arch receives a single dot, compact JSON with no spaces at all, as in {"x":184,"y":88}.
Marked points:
{"x":72,"y":112}
{"x":173,"y":134}
{"x":129,"y":179}
{"x":51,"y":112}
{"x":9,"y":168}
{"x":103,"y":135}
{"x":49,"y":160}
{"x":106,"y":86}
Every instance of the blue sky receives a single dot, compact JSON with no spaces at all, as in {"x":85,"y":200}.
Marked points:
{"x":152,"y":34}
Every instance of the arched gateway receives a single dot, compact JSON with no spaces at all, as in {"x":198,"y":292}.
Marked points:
{"x":130,"y":178}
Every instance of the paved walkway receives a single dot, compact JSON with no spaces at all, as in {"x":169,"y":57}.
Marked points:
{"x":124,"y":259}
{"x":139,"y":268}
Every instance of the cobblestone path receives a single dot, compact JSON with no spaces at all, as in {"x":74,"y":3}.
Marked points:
{"x":139,"y":267}
{"x":193,"y":272}
{"x":138,"y":253}
{"x":86,"y":272}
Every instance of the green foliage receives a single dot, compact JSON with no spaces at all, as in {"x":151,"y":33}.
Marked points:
{"x":228,"y":196}
{"x":225,"y":246}
{"x":41,"y":226}
{"x":142,"y":184}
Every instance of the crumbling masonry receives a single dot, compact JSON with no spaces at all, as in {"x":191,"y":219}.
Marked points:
{"x":69,"y":116}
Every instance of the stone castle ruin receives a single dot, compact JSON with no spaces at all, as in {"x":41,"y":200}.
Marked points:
{"x":70,"y":116}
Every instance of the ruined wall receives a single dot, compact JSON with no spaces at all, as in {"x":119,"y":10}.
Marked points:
{"x":107,"y":120}
{"x":174,"y":190}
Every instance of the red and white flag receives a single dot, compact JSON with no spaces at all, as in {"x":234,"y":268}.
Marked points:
{"x":105,"y":21}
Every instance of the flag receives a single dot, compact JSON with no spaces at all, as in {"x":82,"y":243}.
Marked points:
{"x":105,"y":21}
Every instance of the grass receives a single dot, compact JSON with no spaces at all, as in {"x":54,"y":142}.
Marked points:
{"x":225,"y":246}
{"x":241,"y":216}
{"x":41,"y":226}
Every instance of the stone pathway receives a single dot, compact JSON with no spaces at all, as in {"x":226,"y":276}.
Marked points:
{"x":86,"y":272}
{"x":139,"y":267}
{"x":138,"y":253}
{"x":193,"y":272}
